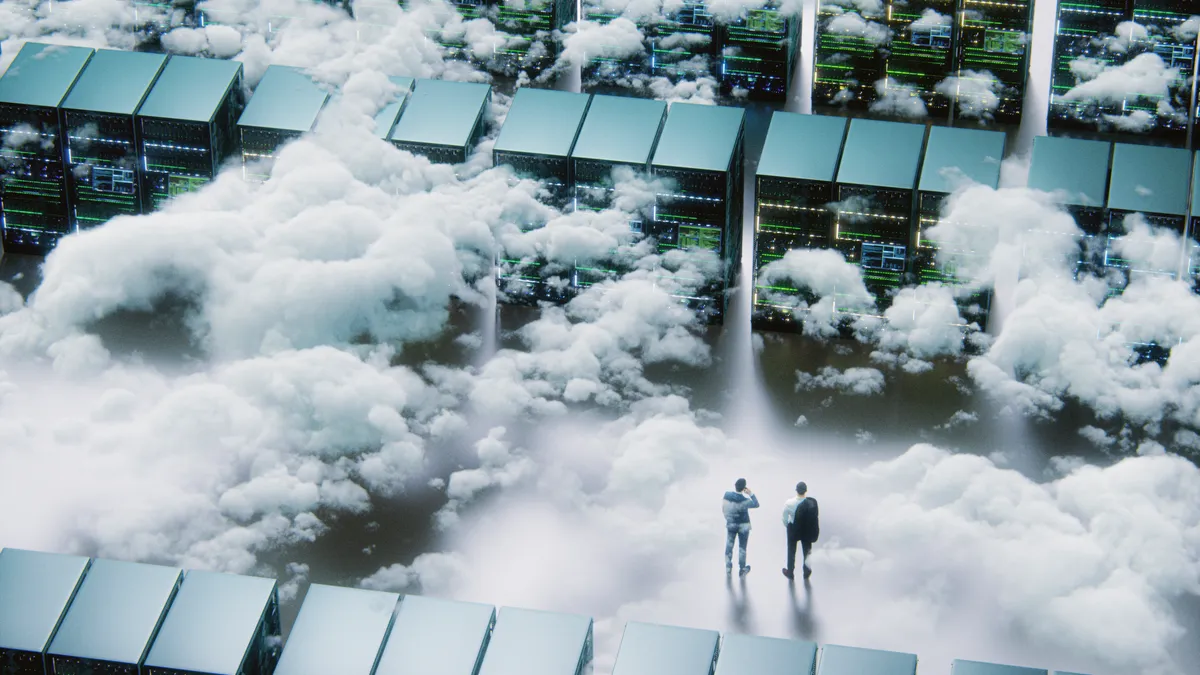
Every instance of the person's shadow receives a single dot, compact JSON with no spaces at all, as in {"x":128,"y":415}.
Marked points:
{"x":739,"y":605}
{"x":804,"y":626}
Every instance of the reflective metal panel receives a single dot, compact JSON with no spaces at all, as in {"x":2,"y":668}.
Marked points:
{"x":211,"y":624}
{"x":838,"y":660}
{"x":806,"y":147}
{"x":741,"y":654}
{"x":436,"y":637}
{"x":285,"y":100}
{"x":702,"y":137}
{"x":882,"y":154}
{"x":961,"y":667}
{"x":533,"y":642}
{"x":41,"y":75}
{"x":338,"y":630}
{"x":650,"y":649}
{"x":116,"y":611}
{"x":35,"y":589}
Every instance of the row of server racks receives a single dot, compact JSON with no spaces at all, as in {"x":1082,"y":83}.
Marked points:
{"x":582,"y":144}
{"x":1094,"y":36}
{"x":69,"y":615}
{"x":754,"y":55}
{"x":952,"y":55}
{"x":94,"y":135}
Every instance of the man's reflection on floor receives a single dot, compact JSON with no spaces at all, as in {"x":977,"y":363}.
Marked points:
{"x":739,"y":605}
{"x":804,"y":626}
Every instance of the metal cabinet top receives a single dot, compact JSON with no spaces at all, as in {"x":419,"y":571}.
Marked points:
{"x":1149,"y":179}
{"x":803,"y":147}
{"x":285,"y":100}
{"x":338,"y":630}
{"x":35,"y":589}
{"x":700,"y":137}
{"x":961,"y":667}
{"x":385,"y":121}
{"x":191,"y":89}
{"x":116,"y":611}
{"x":1077,"y":167}
{"x":952,"y":155}
{"x":649,"y":649}
{"x":442,"y":113}
{"x":115,"y":82}
{"x":839,"y":660}
{"x":211,"y":623}
{"x":436,"y":637}
{"x":882,"y":154}
{"x":766,"y":656}
{"x":42,"y":75}
{"x":543,"y":122}
{"x":532,"y":642}
{"x":620,"y":130}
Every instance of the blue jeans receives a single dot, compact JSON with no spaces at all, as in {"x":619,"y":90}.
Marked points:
{"x":742,"y":534}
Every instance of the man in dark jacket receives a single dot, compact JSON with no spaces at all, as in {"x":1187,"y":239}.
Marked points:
{"x":803,"y":527}
{"x":736,"y":506}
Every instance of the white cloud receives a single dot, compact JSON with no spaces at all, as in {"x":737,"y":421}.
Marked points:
{"x":855,"y":381}
{"x":976,"y":92}
{"x":851,"y":23}
{"x":896,"y":98}
{"x":1144,"y":75}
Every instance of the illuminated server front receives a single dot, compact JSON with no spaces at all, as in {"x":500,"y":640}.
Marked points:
{"x":793,"y":190}
{"x":187,"y":127}
{"x":1153,"y":182}
{"x":921,"y":52}
{"x":34,"y":200}
{"x":35,"y":591}
{"x":618,"y":138}
{"x":876,"y":201}
{"x":1192,"y":243}
{"x":113,"y":620}
{"x":610,"y":71}
{"x":529,"y":26}
{"x":284,"y":106}
{"x":758,"y":52}
{"x":1093,"y":36}
{"x":955,"y":158}
{"x":1078,"y":170}
{"x":847,"y":65}
{"x":684,"y":43}
{"x":536,"y":140}
{"x":101,"y":133}
{"x":993,"y":39}
{"x":699,"y":162}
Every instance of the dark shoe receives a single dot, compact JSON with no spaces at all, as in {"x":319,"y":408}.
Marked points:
{"x":788,"y":573}
{"x":807,"y":571}
{"x":745,"y":570}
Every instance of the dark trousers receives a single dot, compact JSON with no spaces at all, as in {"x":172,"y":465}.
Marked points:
{"x":805,"y":549}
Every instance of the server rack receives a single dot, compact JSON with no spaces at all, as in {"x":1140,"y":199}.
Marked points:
{"x":338,"y":630}
{"x":101,"y":135}
{"x":617,"y":133}
{"x":437,"y":637}
{"x":1085,"y":29}
{"x":530,"y":27}
{"x":846,"y":65}
{"x":1078,"y":170}
{"x":187,"y":126}
{"x":921,"y":53}
{"x":1192,"y":243}
{"x":839,"y":660}
{"x":34,"y":206}
{"x":876,"y":200}
{"x":700,"y":155}
{"x":114,"y":618}
{"x":453,"y":41}
{"x":793,"y":190}
{"x":766,"y":656}
{"x":386,"y":119}
{"x":951,"y":157}
{"x":758,"y":52}
{"x":219,"y":624}
{"x":533,"y":642}
{"x":35,"y":591}
{"x":608,"y":73}
{"x":538,"y":135}
{"x":961,"y":667}
{"x":684,"y":43}
{"x":285,"y":105}
{"x":994,"y":38}
{"x":1152,"y":181}
{"x":650,"y":649}
{"x":443,"y":120}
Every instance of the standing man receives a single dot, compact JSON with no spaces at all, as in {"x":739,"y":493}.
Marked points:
{"x":736,"y":505}
{"x":803,"y":527}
